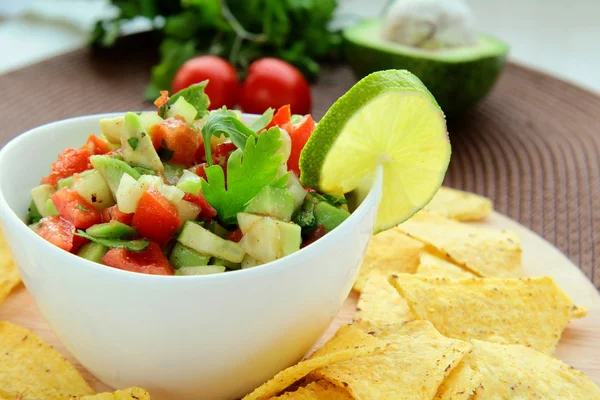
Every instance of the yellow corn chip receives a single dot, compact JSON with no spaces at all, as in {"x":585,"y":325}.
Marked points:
{"x":528,"y":311}
{"x":579,"y":311}
{"x":348,"y":343}
{"x":431,"y":265}
{"x":391,"y":252}
{"x":518,"y":372}
{"x":133,"y":393}
{"x":380,"y":303}
{"x":416,"y":361}
{"x":319,"y":390}
{"x":460,"y":384}
{"x":9,"y":275}
{"x":30,"y":368}
{"x":484,"y":252}
{"x":459,"y":205}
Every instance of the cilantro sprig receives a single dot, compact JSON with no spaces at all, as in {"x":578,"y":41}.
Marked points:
{"x":248,"y":171}
{"x":225,"y":122}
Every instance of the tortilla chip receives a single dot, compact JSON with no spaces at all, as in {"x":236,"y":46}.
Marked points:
{"x":348,"y":343}
{"x":431,"y":265}
{"x":380,"y":303}
{"x":459,"y":205}
{"x":30,"y":368}
{"x":391,"y":252}
{"x":514,"y":371}
{"x":133,"y":393}
{"x":460,"y":384}
{"x":579,"y":312}
{"x":528,"y":311}
{"x":319,"y":390}
{"x":484,"y":252}
{"x":9,"y":275}
{"x":415,"y":363}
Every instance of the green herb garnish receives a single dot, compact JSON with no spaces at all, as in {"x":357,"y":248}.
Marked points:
{"x":82,"y":208}
{"x":133,"y":245}
{"x":133,"y":142}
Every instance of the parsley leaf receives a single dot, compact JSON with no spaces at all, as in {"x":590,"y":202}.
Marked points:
{"x":248,"y":171}
{"x":133,"y":245}
{"x":225,"y":122}
{"x":194,"y":95}
{"x":262,"y":121}
{"x":133,"y":142}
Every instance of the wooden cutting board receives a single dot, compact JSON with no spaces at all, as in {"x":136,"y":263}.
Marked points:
{"x":579,"y":346}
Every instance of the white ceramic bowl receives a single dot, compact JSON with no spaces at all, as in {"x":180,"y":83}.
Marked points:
{"x":195,"y":337}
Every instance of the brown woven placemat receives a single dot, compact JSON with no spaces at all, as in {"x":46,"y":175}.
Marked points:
{"x":533,"y":146}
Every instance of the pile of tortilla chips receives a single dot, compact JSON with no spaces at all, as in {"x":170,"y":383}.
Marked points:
{"x":444,"y":313}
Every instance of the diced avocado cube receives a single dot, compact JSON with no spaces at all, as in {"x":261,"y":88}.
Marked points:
{"x":149,"y":119}
{"x":65,"y":182}
{"x":200,"y":270}
{"x":329,"y":216}
{"x":206,"y":242}
{"x":112,"y":170}
{"x":297,"y":190}
{"x":184,"y":109}
{"x":137,"y":145}
{"x":183,"y":256}
{"x":40,"y":195}
{"x":144,"y":171}
{"x":273,"y":202}
{"x":129,"y":193}
{"x":218,"y":230}
{"x":94,"y":189}
{"x":250,"y":262}
{"x":93,"y":252}
{"x":50,"y":208}
{"x":189,"y":182}
{"x":187,"y":210}
{"x":172,"y":172}
{"x":226,"y":264}
{"x":112,"y":129}
{"x":112,"y":230}
{"x":246,"y":221}
{"x":33,"y":215}
{"x":290,"y":236}
{"x":270,"y":239}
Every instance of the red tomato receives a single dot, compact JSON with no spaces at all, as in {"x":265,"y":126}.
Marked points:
{"x":200,"y":170}
{"x":75,"y":209}
{"x":206,"y":210}
{"x":150,"y":261}
{"x":317,"y":234}
{"x":222,"y":88}
{"x":281,"y":117}
{"x":97,"y":145}
{"x":271,"y":82}
{"x":113,"y":213}
{"x":222,"y":153}
{"x":235,"y":236}
{"x":69,"y":162}
{"x":176,"y":135}
{"x":155,"y":217}
{"x":60,"y":233}
{"x":299,"y":133}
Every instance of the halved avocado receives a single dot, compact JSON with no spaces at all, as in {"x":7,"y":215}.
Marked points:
{"x":457,"y":77}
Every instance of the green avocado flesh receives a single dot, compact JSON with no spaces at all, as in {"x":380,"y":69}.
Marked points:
{"x":457,"y":77}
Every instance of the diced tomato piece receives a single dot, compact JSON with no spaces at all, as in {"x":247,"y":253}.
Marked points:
{"x":200,"y":171}
{"x":75,"y":209}
{"x":150,"y":261}
{"x":156,"y":217}
{"x":176,"y":135}
{"x":113,"y":213}
{"x":235,"y":236}
{"x":299,"y":133}
{"x":60,"y":233}
{"x":163,"y":99}
{"x":222,"y":153}
{"x":317,"y":234}
{"x":282,"y":116}
{"x":69,"y":162}
{"x":97,"y":145}
{"x":206,"y":210}
{"x":200,"y":155}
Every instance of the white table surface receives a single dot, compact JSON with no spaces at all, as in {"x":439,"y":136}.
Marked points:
{"x":557,"y":36}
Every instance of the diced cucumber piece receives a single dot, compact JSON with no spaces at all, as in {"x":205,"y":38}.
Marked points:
{"x":183,"y":256}
{"x":286,"y":147}
{"x":132,"y":245}
{"x":272,"y":201}
{"x":172,"y":193}
{"x":50,"y":208}
{"x":206,"y":242}
{"x":200,"y":270}
{"x":250,"y":262}
{"x":93,"y":252}
{"x":94,"y":189}
{"x":189,"y":182}
{"x":329,"y":216}
{"x":262,"y":241}
{"x":112,"y":169}
{"x":112,"y":128}
{"x":187,"y":210}
{"x":40,"y":195}
{"x":172,"y":172}
{"x":33,"y":215}
{"x":246,"y":221}
{"x":226,"y":264}
{"x":65,"y":182}
{"x":297,"y":190}
{"x":137,"y":145}
{"x":149,"y":119}
{"x":144,"y":171}
{"x":151,"y":180}
{"x":290,"y":236}
{"x":112,"y":230}
{"x":218,"y":230}
{"x":129,"y":194}
{"x":184,"y":109}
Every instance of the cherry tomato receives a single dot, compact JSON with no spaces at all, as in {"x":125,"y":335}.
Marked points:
{"x":299,"y":133}
{"x":274,"y":83}
{"x":222,"y":88}
{"x":60,"y":232}
{"x":69,"y":162}
{"x":281,"y":117}
{"x":150,"y":261}
{"x":156,"y":217}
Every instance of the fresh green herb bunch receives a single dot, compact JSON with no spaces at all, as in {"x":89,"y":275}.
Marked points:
{"x":238,"y":30}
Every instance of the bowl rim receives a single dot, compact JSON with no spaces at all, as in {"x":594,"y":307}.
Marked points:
{"x":373,"y":197}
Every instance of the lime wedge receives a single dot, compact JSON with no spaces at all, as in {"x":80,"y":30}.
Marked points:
{"x":389,"y":118}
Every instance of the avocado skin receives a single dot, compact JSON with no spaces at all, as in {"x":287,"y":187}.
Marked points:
{"x":457,"y":86}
